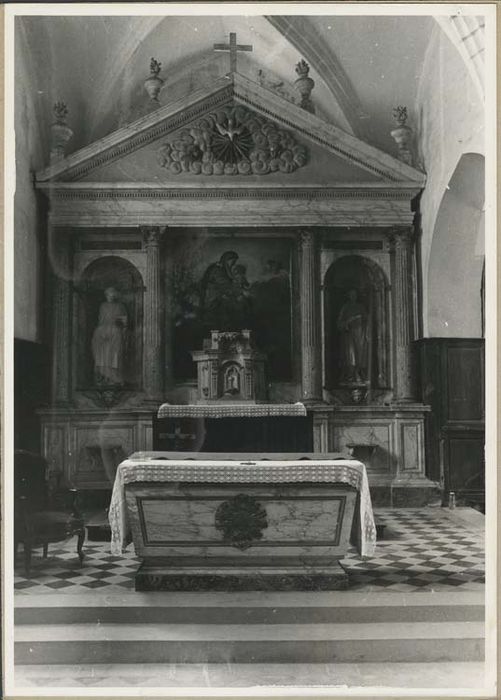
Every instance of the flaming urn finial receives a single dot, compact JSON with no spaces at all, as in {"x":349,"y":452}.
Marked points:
{"x":402,"y":135}
{"x":304,"y":85}
{"x":60,"y":132}
{"x":153,"y":84}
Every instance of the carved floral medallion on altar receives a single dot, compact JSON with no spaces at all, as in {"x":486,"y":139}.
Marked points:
{"x":241,"y":520}
{"x":233,"y":141}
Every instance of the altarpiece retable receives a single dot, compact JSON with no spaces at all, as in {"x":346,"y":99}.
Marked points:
{"x":232,"y":246}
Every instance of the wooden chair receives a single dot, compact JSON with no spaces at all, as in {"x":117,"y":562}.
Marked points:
{"x":44,"y":512}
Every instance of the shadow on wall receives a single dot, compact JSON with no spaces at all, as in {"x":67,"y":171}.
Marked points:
{"x":457,"y":254}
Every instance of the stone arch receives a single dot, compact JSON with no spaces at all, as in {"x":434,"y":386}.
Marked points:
{"x":108,"y":271}
{"x":369,"y":280}
{"x":454,"y":280}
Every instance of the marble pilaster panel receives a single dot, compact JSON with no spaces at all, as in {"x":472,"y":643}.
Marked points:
{"x":152,"y":363}
{"x":311,"y":369}
{"x":403,"y":305}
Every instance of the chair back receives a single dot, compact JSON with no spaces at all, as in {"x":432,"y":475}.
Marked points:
{"x":30,"y":480}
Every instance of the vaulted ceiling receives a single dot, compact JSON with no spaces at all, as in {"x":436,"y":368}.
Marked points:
{"x":363,"y":66}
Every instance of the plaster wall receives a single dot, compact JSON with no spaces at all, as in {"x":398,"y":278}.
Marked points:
{"x":450,"y":124}
{"x":454,"y":301}
{"x":40,"y":81}
{"x":29,"y":157}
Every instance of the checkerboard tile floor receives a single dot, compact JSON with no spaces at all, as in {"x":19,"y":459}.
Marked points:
{"x":421,"y":550}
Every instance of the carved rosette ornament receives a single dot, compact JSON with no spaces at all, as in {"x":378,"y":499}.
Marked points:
{"x":241,"y":520}
{"x":233,"y":141}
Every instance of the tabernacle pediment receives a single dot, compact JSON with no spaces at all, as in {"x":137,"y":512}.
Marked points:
{"x":235,"y":133}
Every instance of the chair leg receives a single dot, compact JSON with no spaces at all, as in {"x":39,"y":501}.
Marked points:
{"x":27,"y":558}
{"x":80,"y":542}
{"x":45,"y":550}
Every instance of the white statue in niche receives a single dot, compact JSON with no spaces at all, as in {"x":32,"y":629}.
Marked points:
{"x":109,"y":341}
{"x":352,"y":323}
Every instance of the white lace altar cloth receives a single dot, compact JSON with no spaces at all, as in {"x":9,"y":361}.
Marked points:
{"x":231,"y":410}
{"x":342,"y":471}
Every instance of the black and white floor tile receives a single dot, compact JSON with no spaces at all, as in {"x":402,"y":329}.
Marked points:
{"x":420,"y":550}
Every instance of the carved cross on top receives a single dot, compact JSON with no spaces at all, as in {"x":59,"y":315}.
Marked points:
{"x":233,"y":48}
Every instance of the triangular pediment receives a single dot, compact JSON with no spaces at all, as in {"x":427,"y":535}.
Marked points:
{"x":235,"y":133}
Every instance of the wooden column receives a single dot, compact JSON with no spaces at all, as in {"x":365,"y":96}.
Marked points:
{"x":61,"y":264}
{"x":153,"y":376}
{"x":402,"y":240}
{"x":311,"y":370}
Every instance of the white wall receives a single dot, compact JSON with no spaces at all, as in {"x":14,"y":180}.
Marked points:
{"x":29,"y":157}
{"x":451,"y":123}
{"x":457,"y":254}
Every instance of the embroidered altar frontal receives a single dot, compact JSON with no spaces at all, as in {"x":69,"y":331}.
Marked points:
{"x":233,"y":524}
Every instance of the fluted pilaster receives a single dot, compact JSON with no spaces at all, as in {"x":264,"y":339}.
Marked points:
{"x":311,"y":370}
{"x":402,"y":244}
{"x":153,"y":379}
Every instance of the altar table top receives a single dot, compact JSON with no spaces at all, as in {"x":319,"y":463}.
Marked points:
{"x":245,"y":471}
{"x":231,"y":410}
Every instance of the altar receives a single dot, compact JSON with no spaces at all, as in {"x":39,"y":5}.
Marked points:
{"x":241,"y":522}
{"x":235,"y":427}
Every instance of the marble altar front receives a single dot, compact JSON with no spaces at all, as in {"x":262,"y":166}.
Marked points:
{"x":206,"y":523}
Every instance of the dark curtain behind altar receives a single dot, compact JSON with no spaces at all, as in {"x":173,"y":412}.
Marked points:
{"x":256,"y":434}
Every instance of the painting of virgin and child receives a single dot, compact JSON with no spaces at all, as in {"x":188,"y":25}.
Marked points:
{"x":244,"y":287}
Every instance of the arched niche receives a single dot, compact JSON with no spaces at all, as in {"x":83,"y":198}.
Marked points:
{"x":354,"y":283}
{"x":99,"y":275}
{"x":454,"y":306}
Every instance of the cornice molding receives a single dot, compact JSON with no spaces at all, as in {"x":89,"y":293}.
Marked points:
{"x":82,"y":206}
{"x":244,"y":91}
{"x":147,"y":191}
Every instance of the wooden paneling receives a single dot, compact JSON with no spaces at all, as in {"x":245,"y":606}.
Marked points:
{"x":31,"y":390}
{"x":452,"y":383}
{"x":464,"y":461}
{"x":464,"y":383}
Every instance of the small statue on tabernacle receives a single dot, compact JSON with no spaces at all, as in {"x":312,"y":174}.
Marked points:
{"x":232,"y":383}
